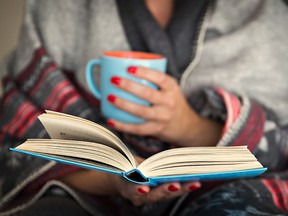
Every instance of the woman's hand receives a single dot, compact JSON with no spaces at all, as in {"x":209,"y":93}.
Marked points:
{"x":170,"y":117}
{"x":106,"y":184}
{"x":143,"y":194}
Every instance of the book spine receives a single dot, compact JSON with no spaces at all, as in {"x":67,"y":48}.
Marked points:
{"x":137,"y":177}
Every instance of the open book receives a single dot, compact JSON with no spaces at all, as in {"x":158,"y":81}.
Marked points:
{"x":83,"y":143}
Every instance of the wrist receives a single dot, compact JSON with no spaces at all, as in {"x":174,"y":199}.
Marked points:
{"x":200,"y":131}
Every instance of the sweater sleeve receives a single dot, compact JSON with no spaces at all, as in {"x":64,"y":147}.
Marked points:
{"x":246,"y":122}
{"x":33,"y":82}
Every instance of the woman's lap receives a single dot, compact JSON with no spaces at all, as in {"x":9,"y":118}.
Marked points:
{"x":248,"y":197}
{"x":239,"y":198}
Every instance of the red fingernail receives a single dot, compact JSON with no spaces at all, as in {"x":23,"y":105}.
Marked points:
{"x":110,"y":123}
{"x":195,"y":186}
{"x":111,"y":98}
{"x":173,"y":188}
{"x":116,"y":80}
{"x":132,"y":69}
{"x":142,"y":191}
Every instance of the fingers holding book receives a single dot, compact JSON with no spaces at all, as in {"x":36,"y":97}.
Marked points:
{"x":170,"y":190}
{"x":142,"y":194}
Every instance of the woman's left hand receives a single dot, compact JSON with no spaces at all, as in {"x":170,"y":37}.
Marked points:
{"x":170,"y":118}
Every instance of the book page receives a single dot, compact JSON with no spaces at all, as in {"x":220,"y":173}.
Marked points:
{"x":196,"y":160}
{"x":201,"y":169}
{"x":78,"y":150}
{"x":64,"y":126}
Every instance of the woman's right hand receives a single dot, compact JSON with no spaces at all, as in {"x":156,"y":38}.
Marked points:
{"x":143,"y":194}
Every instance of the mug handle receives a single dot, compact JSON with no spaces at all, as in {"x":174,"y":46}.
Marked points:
{"x":90,"y":77}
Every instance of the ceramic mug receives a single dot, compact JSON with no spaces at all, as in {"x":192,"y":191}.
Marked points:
{"x":116,"y":63}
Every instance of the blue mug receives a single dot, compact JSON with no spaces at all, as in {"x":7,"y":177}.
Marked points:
{"x":115,"y":63}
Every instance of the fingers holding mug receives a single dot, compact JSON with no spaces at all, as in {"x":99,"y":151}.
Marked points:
{"x":152,"y":95}
{"x":113,"y":66}
{"x":150,"y":113}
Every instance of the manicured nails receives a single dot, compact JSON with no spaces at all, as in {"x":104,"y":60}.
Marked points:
{"x":173,"y":188}
{"x":115,"y":80}
{"x":111,"y":98}
{"x":110,"y":123}
{"x":132,"y":69}
{"x":195,"y":186}
{"x":141,"y":190}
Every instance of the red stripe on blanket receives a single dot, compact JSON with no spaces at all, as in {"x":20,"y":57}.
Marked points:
{"x":6,"y":99}
{"x":39,"y":83}
{"x":29,"y":120}
{"x":82,"y":91}
{"x":22,"y":120}
{"x":38,"y":54}
{"x":12,"y":125}
{"x":69,"y":101}
{"x":232,"y":105}
{"x":278,"y":190}
{"x":286,"y":195}
{"x":253,"y":129}
{"x":62,"y":96}
{"x":56,"y":95}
